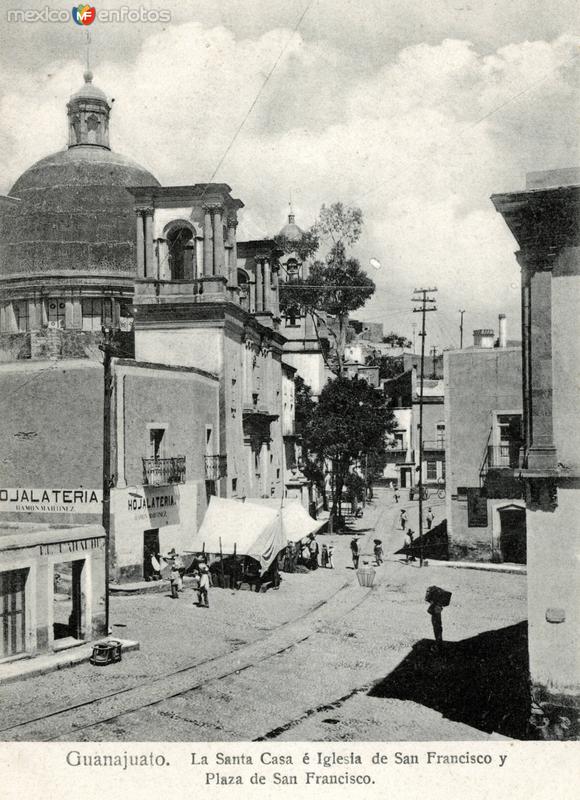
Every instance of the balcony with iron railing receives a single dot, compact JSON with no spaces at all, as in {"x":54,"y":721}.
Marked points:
{"x":163,"y":471}
{"x":216,"y":467}
{"x":434,"y":444}
{"x":498,"y":472}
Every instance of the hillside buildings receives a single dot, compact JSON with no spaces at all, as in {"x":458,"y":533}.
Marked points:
{"x":486,"y":519}
{"x":403,"y":447}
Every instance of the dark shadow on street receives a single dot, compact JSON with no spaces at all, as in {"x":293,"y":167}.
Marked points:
{"x":482,"y":681}
{"x":435,"y":544}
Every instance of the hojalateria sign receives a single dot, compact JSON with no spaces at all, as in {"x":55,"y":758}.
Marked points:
{"x":51,"y":501}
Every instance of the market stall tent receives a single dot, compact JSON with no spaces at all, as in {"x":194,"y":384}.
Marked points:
{"x":297,"y":523}
{"x":247,"y":529}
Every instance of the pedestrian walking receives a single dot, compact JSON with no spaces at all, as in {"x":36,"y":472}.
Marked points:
{"x":203,"y":587}
{"x":429,"y":518}
{"x":403,"y":519}
{"x":396,"y":495}
{"x":409,"y":545}
{"x":330,"y":556}
{"x":378,"y":552}
{"x":355,"y":551}
{"x":180,"y":566}
{"x":436,"y":610}
{"x":324,"y":556}
{"x":314,"y":549}
{"x":175,"y":580}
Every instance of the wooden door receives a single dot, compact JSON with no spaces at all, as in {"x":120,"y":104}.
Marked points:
{"x":12,"y":612}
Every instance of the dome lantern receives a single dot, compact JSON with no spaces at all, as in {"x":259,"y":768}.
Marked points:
{"x":88,"y":116}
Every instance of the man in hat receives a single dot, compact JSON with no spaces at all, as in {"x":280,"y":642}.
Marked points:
{"x":435,"y":610}
{"x":203,"y":587}
{"x":175,"y":580}
{"x":409,"y":537}
{"x":378,"y":552}
{"x":430,"y":516}
{"x":355,"y":551}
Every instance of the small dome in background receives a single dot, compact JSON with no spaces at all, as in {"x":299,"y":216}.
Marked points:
{"x":291,"y":230}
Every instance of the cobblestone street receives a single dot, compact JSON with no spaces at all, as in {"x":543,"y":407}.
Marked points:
{"x":320,"y":659}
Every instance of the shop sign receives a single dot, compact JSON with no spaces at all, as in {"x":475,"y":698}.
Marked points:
{"x":75,"y":546}
{"x":146,"y":507}
{"x":51,"y":501}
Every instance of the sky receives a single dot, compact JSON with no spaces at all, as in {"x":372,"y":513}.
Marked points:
{"x":414,"y":111}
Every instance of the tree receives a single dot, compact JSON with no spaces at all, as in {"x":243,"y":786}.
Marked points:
{"x":349,"y":421}
{"x":336,"y":285}
{"x":389,"y":366}
{"x":304,"y":405}
{"x":339,"y":224}
{"x":396,"y":340}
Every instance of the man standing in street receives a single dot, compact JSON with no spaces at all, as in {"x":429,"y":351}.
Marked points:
{"x":409,"y":545}
{"x":313,"y":552}
{"x":203,"y":588}
{"x":435,"y":610}
{"x":403,"y":519}
{"x":429,"y":518}
{"x":355,"y":551}
{"x":175,"y":580}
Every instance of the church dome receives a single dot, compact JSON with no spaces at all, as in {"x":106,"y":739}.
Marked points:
{"x":291,"y":231}
{"x":75,"y":212}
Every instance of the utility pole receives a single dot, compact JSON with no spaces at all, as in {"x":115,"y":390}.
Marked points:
{"x":462,"y":312}
{"x":426,"y":304}
{"x":108,"y":352}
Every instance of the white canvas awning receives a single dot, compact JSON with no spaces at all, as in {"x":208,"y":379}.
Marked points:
{"x":297,"y":523}
{"x":245,"y":528}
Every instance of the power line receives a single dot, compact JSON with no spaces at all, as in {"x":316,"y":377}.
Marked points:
{"x":259,"y":92}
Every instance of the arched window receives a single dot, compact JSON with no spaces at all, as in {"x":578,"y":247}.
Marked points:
{"x":244,"y":284}
{"x":181,"y":253}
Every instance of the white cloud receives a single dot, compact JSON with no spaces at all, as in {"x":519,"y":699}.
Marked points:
{"x":416,"y":143}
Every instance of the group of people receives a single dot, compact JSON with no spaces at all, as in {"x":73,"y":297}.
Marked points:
{"x":355,"y":551}
{"x":200,"y":574}
{"x":311,"y":552}
{"x":410,"y":534}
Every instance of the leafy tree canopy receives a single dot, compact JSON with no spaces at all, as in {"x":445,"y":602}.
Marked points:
{"x":396,"y":340}
{"x":350,"y":419}
{"x":339,"y":223}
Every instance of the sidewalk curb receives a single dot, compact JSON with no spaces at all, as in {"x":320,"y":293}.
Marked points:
{"x":41,"y":665}
{"x":146,"y":587}
{"x":511,"y":569}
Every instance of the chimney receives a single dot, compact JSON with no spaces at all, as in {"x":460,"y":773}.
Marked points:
{"x":502,"y":330}
{"x":484,"y":338}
